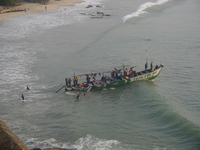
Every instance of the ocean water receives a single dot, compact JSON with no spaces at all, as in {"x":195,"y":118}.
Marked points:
{"x":40,"y":50}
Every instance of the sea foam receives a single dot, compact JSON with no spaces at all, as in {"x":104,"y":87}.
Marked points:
{"x":142,"y":8}
{"x":88,"y":142}
{"x":29,"y":25}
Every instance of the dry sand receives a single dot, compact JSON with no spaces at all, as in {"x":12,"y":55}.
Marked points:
{"x":38,"y":8}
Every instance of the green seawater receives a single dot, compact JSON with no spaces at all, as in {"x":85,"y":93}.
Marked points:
{"x":40,"y":50}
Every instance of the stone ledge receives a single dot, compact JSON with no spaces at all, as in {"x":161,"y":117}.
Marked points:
{"x":8,"y":140}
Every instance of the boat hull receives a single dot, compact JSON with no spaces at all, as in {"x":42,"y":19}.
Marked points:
{"x":113,"y":82}
{"x":143,"y":75}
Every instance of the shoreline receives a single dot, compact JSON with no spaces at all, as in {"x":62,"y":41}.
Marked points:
{"x":33,"y":8}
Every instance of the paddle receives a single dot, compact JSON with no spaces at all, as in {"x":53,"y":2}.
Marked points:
{"x":89,"y":88}
{"x":60,"y":89}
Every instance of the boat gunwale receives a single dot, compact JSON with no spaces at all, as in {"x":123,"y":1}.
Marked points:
{"x":125,"y":81}
{"x":143,"y":75}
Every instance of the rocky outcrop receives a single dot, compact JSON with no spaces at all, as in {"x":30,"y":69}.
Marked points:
{"x":89,"y":6}
{"x":8,"y":140}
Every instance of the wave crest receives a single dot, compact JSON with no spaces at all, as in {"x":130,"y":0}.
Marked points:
{"x":142,"y":8}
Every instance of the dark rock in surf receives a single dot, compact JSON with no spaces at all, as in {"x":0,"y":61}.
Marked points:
{"x":100,"y":13}
{"x":89,"y":6}
{"x":98,"y":6}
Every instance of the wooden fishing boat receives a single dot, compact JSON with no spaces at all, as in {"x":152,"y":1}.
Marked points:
{"x":110,"y":81}
{"x":142,"y":75}
{"x":7,"y":10}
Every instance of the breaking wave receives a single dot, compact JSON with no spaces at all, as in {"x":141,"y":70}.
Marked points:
{"x":142,"y":8}
{"x":88,"y":142}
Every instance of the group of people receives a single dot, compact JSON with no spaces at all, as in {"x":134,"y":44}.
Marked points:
{"x":91,"y":79}
{"x":68,"y":81}
{"x":116,"y":74}
{"x":119,"y":74}
{"x":151,"y":66}
{"x":88,"y":79}
{"x":123,"y":73}
{"x":22,"y":95}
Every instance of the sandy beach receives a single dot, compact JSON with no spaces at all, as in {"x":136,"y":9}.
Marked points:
{"x":38,"y":8}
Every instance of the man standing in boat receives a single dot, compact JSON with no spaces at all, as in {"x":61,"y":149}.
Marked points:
{"x":75,"y":80}
{"x":88,"y":79}
{"x":66,"y":81}
{"x":69,"y":81}
{"x":146,"y":66}
{"x":151,"y":66}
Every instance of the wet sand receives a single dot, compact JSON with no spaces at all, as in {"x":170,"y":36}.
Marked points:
{"x":32,"y":8}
